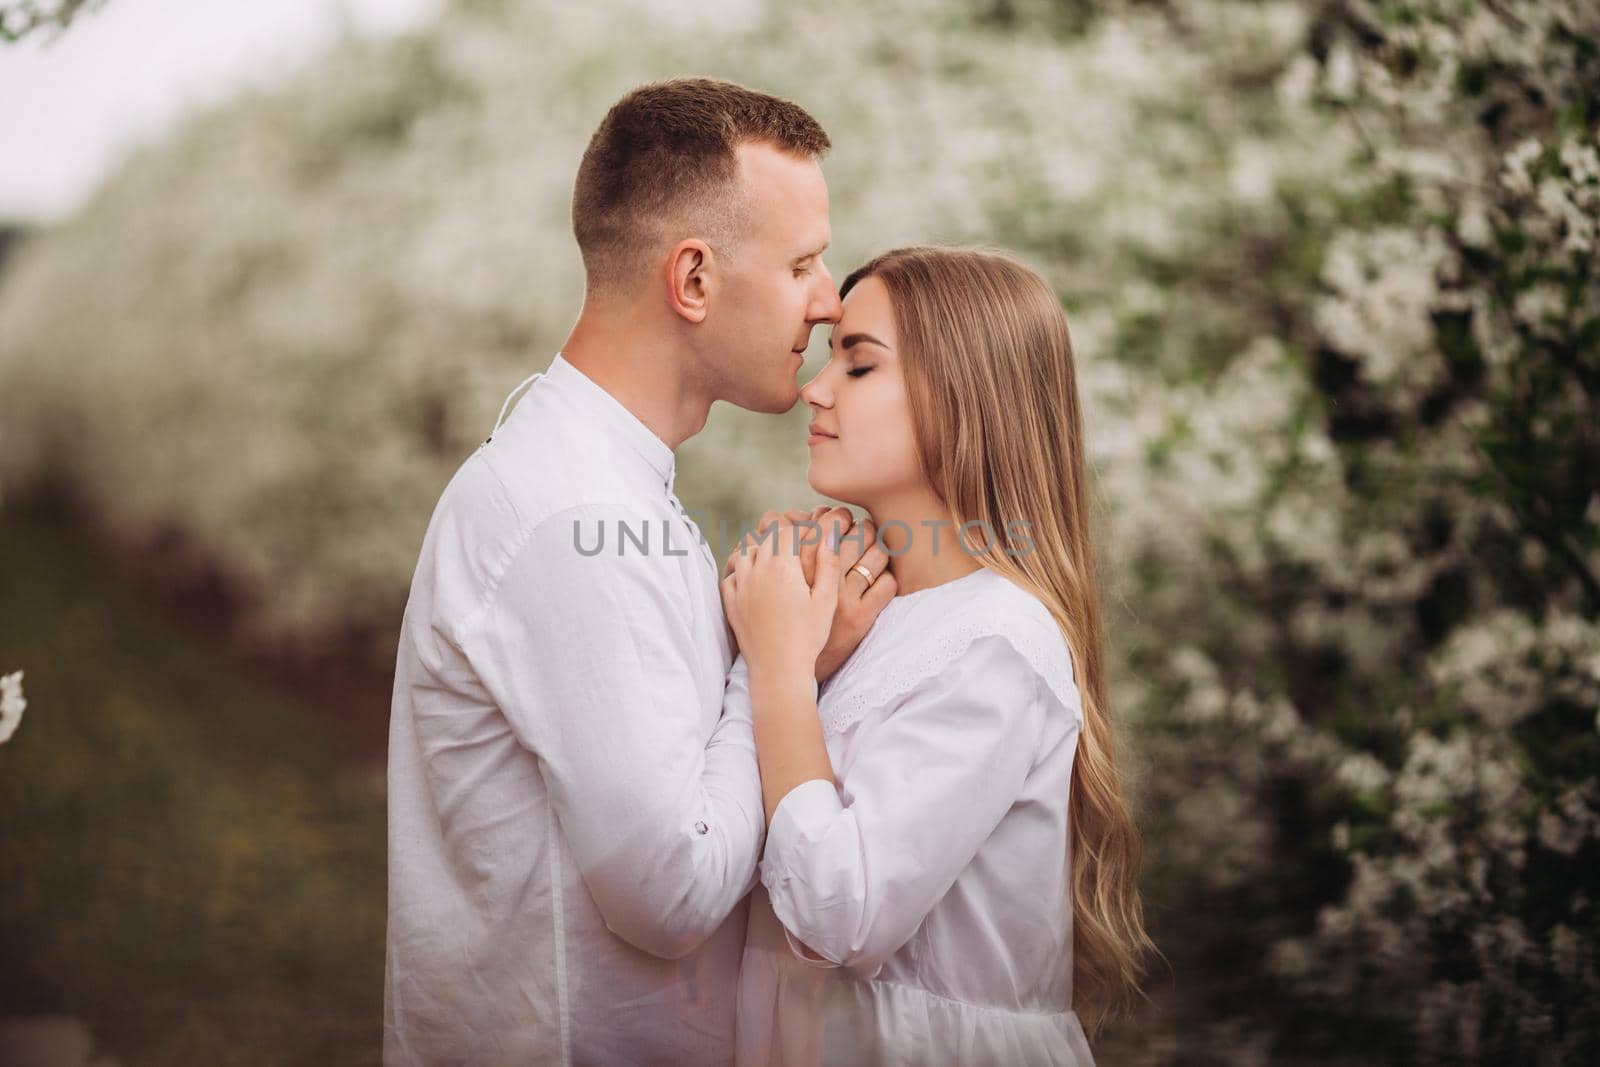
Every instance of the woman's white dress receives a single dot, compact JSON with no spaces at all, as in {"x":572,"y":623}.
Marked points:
{"x":932,"y":883}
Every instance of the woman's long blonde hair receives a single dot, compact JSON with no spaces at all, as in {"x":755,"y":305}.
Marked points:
{"x":989,"y":372}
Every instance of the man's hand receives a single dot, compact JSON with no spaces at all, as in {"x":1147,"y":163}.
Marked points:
{"x":747,"y":544}
{"x":781,"y":620}
{"x":859,"y":601}
{"x":808,"y":539}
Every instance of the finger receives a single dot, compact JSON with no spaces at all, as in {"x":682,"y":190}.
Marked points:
{"x":742,"y":562}
{"x":744,"y":547}
{"x":840,"y":514}
{"x":849,"y":536}
{"x":826,"y":586}
{"x":875,"y":561}
{"x":879,"y":593}
{"x":762,"y":534}
{"x":777,"y":541}
{"x":808,"y":532}
{"x":839,"y":521}
{"x":864,"y":541}
{"x":809,"y":543}
{"x":752,"y":539}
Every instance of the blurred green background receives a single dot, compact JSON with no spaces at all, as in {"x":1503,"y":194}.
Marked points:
{"x":1330,"y":268}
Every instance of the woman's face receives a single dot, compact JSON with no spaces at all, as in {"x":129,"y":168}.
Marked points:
{"x":863,"y":448}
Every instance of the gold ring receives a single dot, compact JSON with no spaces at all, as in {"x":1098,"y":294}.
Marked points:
{"x":861,"y":569}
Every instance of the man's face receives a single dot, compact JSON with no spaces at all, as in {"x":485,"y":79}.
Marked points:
{"x":774,"y":286}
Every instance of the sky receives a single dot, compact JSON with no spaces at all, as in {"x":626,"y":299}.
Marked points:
{"x":123,"y":73}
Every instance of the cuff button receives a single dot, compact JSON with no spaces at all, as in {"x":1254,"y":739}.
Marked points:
{"x":701,"y":828}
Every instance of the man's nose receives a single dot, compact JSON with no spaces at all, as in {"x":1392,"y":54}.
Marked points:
{"x":827,"y":307}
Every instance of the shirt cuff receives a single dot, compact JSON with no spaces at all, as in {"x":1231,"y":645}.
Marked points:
{"x":804,"y":815}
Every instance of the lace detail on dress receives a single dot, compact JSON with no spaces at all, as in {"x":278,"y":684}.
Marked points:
{"x":1042,"y":646}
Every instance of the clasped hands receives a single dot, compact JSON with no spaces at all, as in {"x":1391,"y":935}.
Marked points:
{"x":795,"y":604}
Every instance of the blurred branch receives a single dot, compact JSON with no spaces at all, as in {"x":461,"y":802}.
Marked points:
{"x":18,"y":20}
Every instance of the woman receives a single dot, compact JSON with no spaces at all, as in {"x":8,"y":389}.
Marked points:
{"x":950,"y":866}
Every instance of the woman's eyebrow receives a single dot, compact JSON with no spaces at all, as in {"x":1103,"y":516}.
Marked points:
{"x":853,"y":339}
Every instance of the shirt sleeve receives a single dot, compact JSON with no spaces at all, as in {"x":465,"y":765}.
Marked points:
{"x":591,"y":659}
{"x":852,"y":872}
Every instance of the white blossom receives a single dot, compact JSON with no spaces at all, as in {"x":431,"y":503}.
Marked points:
{"x":1362,"y":773}
{"x":12,"y":704}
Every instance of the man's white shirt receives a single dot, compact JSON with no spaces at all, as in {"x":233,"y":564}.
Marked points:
{"x":573,"y":825}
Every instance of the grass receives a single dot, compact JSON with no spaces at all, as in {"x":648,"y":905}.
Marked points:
{"x":185,"y":861}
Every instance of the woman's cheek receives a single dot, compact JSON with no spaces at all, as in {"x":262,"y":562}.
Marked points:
{"x":879,"y":461}
{"x":897,"y":445}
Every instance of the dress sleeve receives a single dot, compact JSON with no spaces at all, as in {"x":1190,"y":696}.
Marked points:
{"x":591,"y":660}
{"x":852,"y":872}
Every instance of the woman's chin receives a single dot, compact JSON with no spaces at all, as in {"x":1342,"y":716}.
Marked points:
{"x":832,"y":489}
{"x":819,"y":485}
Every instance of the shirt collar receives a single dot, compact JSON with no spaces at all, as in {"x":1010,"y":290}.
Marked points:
{"x":589,"y":395}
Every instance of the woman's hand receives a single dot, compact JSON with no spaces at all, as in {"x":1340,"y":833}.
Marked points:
{"x":782,"y":622}
{"x":865,"y":588}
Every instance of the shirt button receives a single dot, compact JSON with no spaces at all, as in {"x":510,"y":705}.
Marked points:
{"x":701,"y":828}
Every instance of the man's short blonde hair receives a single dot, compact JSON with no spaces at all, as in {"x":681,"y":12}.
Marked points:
{"x":663,"y":166}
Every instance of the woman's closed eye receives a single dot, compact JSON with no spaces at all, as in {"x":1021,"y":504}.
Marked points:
{"x":856,"y":372}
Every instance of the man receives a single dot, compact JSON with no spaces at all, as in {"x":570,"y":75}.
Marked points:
{"x":572,"y":825}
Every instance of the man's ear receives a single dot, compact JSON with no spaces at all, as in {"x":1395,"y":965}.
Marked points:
{"x":689,"y":271}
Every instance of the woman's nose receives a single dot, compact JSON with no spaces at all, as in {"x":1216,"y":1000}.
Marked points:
{"x":816,"y":393}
